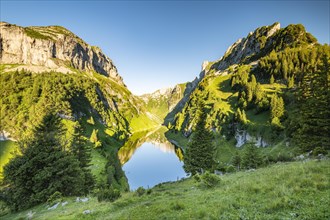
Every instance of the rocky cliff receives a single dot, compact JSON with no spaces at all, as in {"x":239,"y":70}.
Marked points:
{"x":262,"y":41}
{"x":248,"y":46}
{"x":52,"y":48}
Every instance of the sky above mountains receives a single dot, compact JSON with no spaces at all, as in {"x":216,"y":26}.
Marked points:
{"x":157,"y":44}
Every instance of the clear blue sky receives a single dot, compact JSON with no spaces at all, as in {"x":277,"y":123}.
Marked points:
{"x":157,"y":44}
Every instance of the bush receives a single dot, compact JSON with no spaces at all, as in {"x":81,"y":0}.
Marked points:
{"x":177,"y":206}
{"x":319,"y":150}
{"x":54,"y":198}
{"x":140,"y":191}
{"x":230,"y":169}
{"x":108,"y":194}
{"x":197,"y":177}
{"x":251,"y":158}
{"x":209,"y":180}
{"x":149,"y":191}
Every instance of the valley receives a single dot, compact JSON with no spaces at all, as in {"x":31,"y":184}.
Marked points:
{"x":265,"y":103}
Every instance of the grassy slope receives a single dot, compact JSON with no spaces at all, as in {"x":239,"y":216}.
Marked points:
{"x":7,"y":148}
{"x":223,"y":98}
{"x":297,"y":190}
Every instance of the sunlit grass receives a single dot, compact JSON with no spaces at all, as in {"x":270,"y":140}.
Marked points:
{"x":7,"y":150}
{"x":282,"y":191}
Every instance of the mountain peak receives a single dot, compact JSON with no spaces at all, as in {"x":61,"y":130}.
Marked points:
{"x":262,"y":41}
{"x":248,"y":46}
{"x":46,"y":48}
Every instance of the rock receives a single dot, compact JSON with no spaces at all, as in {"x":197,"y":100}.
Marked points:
{"x":77,"y":199}
{"x":250,"y":170}
{"x":4,"y":136}
{"x":52,"y":48}
{"x":30,"y":214}
{"x":87,"y":212}
{"x":301,"y":157}
{"x":204,"y":64}
{"x":217,"y":172}
{"x":242,"y":136}
{"x":84,"y":199}
{"x":64,"y":203}
{"x":247,"y":46}
{"x":54,"y":206}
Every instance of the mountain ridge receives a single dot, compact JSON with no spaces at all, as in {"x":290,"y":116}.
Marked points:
{"x":270,"y":61}
{"x":53,"y":47}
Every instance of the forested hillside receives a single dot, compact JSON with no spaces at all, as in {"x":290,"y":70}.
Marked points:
{"x":270,"y":88}
{"x":51,"y":71}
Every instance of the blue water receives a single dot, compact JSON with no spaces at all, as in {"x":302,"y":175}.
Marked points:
{"x":152,"y":164}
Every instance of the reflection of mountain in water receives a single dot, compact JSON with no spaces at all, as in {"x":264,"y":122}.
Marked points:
{"x":155,"y":137}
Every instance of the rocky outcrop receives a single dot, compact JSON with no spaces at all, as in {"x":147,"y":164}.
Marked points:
{"x":242,"y":137}
{"x":52,"y":48}
{"x":4,"y":136}
{"x":248,"y":46}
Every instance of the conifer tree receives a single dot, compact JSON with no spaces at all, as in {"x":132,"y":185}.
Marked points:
{"x":272,"y":80}
{"x":42,"y":169}
{"x":236,"y":161}
{"x":314,"y":113}
{"x":82,"y":151}
{"x":276,"y":107}
{"x":251,"y":158}
{"x":199,"y":154}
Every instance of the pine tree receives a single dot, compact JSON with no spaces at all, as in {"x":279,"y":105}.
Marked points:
{"x":314,"y":113}
{"x":91,"y":121}
{"x":291,"y":82}
{"x":82,"y":152}
{"x":199,"y":154}
{"x":251,"y":158}
{"x":236,"y":161}
{"x":240,"y":116}
{"x":42,"y":169}
{"x":272,"y":80}
{"x":94,"y":138}
{"x":276,"y":107}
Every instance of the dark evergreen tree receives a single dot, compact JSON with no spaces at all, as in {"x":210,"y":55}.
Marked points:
{"x":236,"y":161}
{"x":313,"y":116}
{"x":42,"y":169}
{"x":199,"y":154}
{"x":276,"y":111}
{"x":251,"y":158}
{"x":82,"y":151}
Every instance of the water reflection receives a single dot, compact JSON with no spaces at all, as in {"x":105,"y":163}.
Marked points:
{"x":155,"y":137}
{"x":148,"y":158}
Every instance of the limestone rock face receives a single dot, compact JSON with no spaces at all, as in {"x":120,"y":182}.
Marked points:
{"x":52,"y":47}
{"x":248,"y":46}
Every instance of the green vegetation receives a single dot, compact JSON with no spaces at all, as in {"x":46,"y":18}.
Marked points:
{"x":281,"y":191}
{"x":200,"y":152}
{"x":44,"y":168}
{"x":8,"y":149}
{"x":313,"y":117}
{"x":262,"y":100}
{"x":281,"y":101}
{"x":36,"y":34}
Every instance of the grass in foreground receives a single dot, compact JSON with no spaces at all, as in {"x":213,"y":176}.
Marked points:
{"x":297,"y":190}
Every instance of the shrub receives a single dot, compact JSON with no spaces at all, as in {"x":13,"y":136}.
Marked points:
{"x":209,"y":180}
{"x":230,"y":169}
{"x":54,"y":198}
{"x":319,"y":150}
{"x":177,"y":206}
{"x":149,"y":191}
{"x":251,"y":158}
{"x":140,"y":191}
{"x":108,"y":194}
{"x":197,"y":177}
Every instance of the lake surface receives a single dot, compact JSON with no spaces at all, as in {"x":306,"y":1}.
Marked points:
{"x":149,"y":160}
